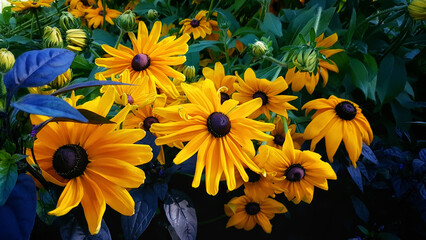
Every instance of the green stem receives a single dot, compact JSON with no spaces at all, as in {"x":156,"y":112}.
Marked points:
{"x":104,"y":13}
{"x":317,"y":19}
{"x":94,"y":52}
{"x":275,"y":61}
{"x":386,"y":11}
{"x":273,"y":115}
{"x":284,"y":120}
{"x":38,"y":23}
{"x":119,"y":38}
{"x":212,"y":220}
{"x":210,"y":10}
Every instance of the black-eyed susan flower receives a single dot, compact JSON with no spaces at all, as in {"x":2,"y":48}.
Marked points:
{"x":259,"y":185}
{"x":279,"y":134}
{"x":269,"y":91}
{"x":295,"y":172}
{"x":95,"y":16}
{"x":338,"y":119}
{"x":199,"y":27}
{"x":223,"y":83}
{"x":95,"y":163}
{"x":144,"y":117}
{"x":246,"y":211}
{"x":24,"y":5}
{"x":148,"y":58}
{"x":309,"y":75}
{"x":138,"y":93}
{"x":220,"y":134}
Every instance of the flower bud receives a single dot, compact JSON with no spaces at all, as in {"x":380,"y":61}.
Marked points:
{"x":127,"y":21}
{"x":76,"y":39}
{"x":306,"y":60}
{"x":259,"y":49}
{"x":152,"y":14}
{"x":61,"y":80}
{"x":7,"y":59}
{"x":417,"y":9}
{"x":67,"y":21}
{"x":189,"y":72}
{"x":52,"y":38}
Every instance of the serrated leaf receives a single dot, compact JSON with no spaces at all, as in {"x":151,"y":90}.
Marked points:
{"x":181,"y":214}
{"x":360,"y":209}
{"x":145,"y":208}
{"x":48,"y":106}
{"x":17,"y":216}
{"x":356,"y":176}
{"x":73,"y":229}
{"x":93,"y":83}
{"x":37,"y":68}
{"x":369,"y":154}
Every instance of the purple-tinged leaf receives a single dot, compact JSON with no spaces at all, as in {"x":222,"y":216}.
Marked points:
{"x":87,"y":84}
{"x":369,"y":154}
{"x":181,"y":214}
{"x":73,"y":229}
{"x":37,"y":68}
{"x":48,"y":106}
{"x":356,"y":176}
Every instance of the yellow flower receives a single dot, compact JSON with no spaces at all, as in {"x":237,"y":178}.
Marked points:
{"x":334,"y":120}
{"x":144,"y":117}
{"x":166,"y":29}
{"x":95,"y":16}
{"x":221,"y":134}
{"x":279,"y":134}
{"x":76,"y":39}
{"x":246,"y":211}
{"x":148,"y":58}
{"x":61,"y":80}
{"x":141,"y":93}
{"x":21,"y":6}
{"x":266,"y":90}
{"x":300,"y":79}
{"x":95,"y":163}
{"x":225,"y":84}
{"x":417,"y":9}
{"x":198,"y":26}
{"x":295,"y":172}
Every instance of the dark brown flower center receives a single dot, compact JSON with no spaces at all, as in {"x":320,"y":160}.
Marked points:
{"x":101,"y":13}
{"x":130,"y":99}
{"x":140,"y":62}
{"x":148,"y":122}
{"x":262,"y":96}
{"x":218,"y":124}
{"x":70,"y":161}
{"x":345,"y":110}
{"x":34,"y":3}
{"x":294,"y":173}
{"x":252,"y":208}
{"x":279,"y":139}
{"x":224,"y":97}
{"x":195,"y":23}
{"x":253,"y":177}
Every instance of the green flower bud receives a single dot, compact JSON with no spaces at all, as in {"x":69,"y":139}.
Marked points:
{"x":259,"y":48}
{"x":189,"y":72}
{"x":7,"y":59}
{"x":67,"y":21}
{"x":152,"y":14}
{"x":417,"y":9}
{"x":127,"y":21}
{"x":52,"y":38}
{"x":76,"y":39}
{"x":306,"y":60}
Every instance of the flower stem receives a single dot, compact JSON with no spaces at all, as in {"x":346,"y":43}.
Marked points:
{"x":284,"y":120}
{"x":210,"y":10}
{"x":94,"y":52}
{"x":317,"y":19}
{"x":38,"y":22}
{"x":386,"y":11}
{"x":275,"y":61}
{"x":104,"y":13}
{"x":119,"y":38}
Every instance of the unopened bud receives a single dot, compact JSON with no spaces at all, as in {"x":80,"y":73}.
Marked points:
{"x":417,"y":9}
{"x":7,"y":59}
{"x":306,"y":60}
{"x":127,"y":21}
{"x":52,"y":38}
{"x":61,"y":80}
{"x":76,"y":39}
{"x":259,"y":49}
{"x":189,"y":72}
{"x":152,"y":14}
{"x":67,"y":21}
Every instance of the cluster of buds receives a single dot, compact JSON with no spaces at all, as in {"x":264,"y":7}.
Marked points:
{"x":127,"y":21}
{"x":67,"y":21}
{"x":52,"y":38}
{"x":7,"y":60}
{"x":261,"y":48}
{"x":76,"y":39}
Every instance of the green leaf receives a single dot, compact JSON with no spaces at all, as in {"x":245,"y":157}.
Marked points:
{"x":143,"y":7}
{"x":193,"y":59}
{"x":103,"y":37}
{"x":8,"y":176}
{"x":81,"y":63}
{"x":359,"y":74}
{"x":360,"y":209}
{"x":351,"y":29}
{"x":45,"y":205}
{"x":19,"y":39}
{"x":196,"y":48}
{"x":7,"y":13}
{"x":391,"y":79}
{"x":233,"y":23}
{"x":363,"y":229}
{"x":273,"y":24}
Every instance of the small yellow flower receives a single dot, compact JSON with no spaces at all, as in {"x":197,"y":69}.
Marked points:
{"x":199,"y":27}
{"x":21,"y":6}
{"x":95,"y":16}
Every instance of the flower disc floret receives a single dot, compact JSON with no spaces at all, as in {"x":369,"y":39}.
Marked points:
{"x":140,"y":62}
{"x":252,"y":208}
{"x":148,"y":122}
{"x":294,"y":173}
{"x":70,"y":161}
{"x":345,"y":110}
{"x":218,"y":124}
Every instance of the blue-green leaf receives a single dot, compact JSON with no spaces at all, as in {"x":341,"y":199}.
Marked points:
{"x":360,"y":209}
{"x":273,"y":24}
{"x":356,"y":176}
{"x":8,"y":176}
{"x":391,"y":78}
{"x":48,"y":106}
